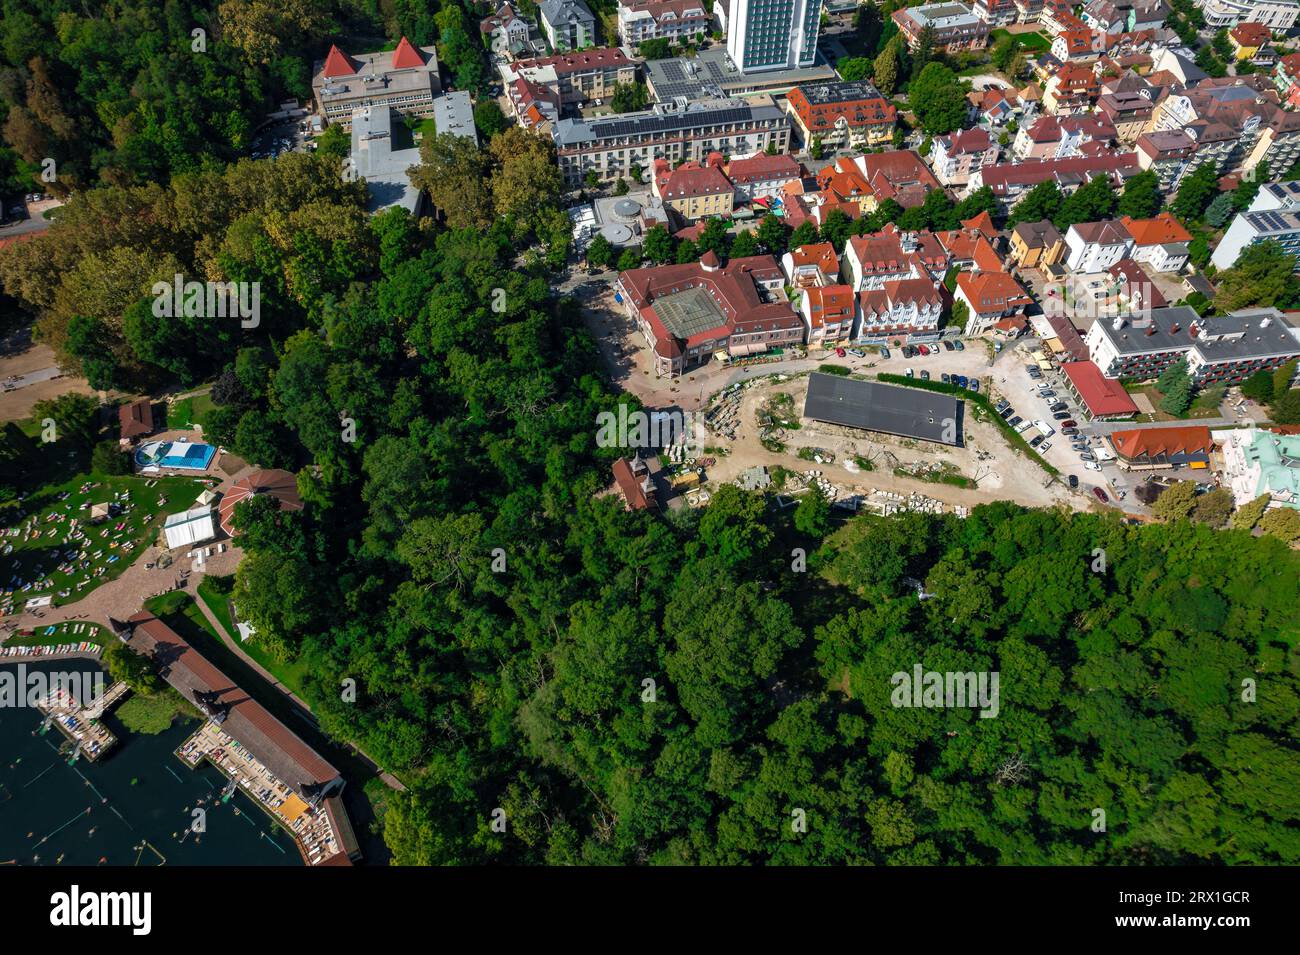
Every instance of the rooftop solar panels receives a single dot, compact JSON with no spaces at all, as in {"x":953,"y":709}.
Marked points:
{"x":892,"y":409}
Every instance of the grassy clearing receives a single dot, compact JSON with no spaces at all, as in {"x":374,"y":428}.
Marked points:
{"x":58,"y":551}
{"x":1034,"y":42}
{"x":1204,"y":405}
{"x":62,"y":635}
{"x":215,"y":594}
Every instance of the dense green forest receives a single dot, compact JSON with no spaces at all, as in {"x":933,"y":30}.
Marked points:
{"x":128,"y":92}
{"x":501,"y":617}
{"x":711,"y":686}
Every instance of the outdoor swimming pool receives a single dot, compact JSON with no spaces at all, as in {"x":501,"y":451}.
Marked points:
{"x":182,"y":455}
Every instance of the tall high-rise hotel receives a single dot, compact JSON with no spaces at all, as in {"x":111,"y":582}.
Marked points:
{"x":773,"y":34}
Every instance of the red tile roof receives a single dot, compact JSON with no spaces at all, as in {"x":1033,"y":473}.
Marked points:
{"x":281,"y":485}
{"x":1250,"y":34}
{"x":687,"y":182}
{"x":407,"y":57}
{"x":604,"y":58}
{"x":764,"y":167}
{"x":338,"y":63}
{"x":192,"y":674}
{"x":820,"y":254}
{"x":630,"y":484}
{"x":857,"y":113}
{"x":993,"y":292}
{"x":1161,"y":230}
{"x":829,"y":303}
{"x":1136,"y":283}
{"x":1152,"y":442}
{"x":1105,"y":397}
{"x":136,"y":418}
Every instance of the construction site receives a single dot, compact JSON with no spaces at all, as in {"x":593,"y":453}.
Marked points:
{"x":754,"y":434}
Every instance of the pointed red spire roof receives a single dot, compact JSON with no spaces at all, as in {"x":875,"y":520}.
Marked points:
{"x":407,"y":57}
{"x":338,"y":63}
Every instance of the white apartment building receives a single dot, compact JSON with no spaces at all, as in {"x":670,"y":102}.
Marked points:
{"x":1273,"y":216}
{"x":772,"y":34}
{"x":1274,"y":14}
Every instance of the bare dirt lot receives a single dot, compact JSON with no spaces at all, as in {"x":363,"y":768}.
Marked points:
{"x":1000,"y":473}
{"x":30,"y":374}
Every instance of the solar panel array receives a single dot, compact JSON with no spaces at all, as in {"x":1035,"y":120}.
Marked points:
{"x":669,"y":122}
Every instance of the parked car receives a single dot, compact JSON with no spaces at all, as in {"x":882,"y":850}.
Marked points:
{"x":857,"y":353}
{"x":959,"y":380}
{"x":1015,"y":420}
{"x":909,"y":373}
{"x":840,"y":353}
{"x":884,"y":352}
{"x":1036,"y":441}
{"x":1069,"y":423}
{"x":1045,"y":447}
{"x":975,"y":384}
{"x":1007,"y":412}
{"x":1068,"y":431}
{"x":945,"y":378}
{"x":1058,"y":406}
{"x":1092,"y":465}
{"x":1074,"y":482}
{"x":1087,"y":456}
{"x":925,"y":375}
{"x":1061,"y":416}
{"x":907,"y":351}
{"x":947,"y":345}
{"x":956,"y":343}
{"x":1100,"y":495}
{"x":997,"y":407}
{"x":925,"y":349}
{"x":1046,"y":393}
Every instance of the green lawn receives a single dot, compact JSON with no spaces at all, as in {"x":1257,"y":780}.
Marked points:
{"x":1203,"y":405}
{"x":55,"y":557}
{"x":215,"y":593}
{"x":89,"y":633}
{"x":187,"y":412}
{"x":1034,"y":42}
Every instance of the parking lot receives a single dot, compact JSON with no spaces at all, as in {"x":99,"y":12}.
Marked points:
{"x":1015,"y":384}
{"x":285,"y":136}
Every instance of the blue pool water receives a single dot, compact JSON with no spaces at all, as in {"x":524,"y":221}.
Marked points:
{"x":194,"y":457}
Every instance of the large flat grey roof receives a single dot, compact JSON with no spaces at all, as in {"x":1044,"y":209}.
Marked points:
{"x":663,"y":120}
{"x":893,"y":409}
{"x":1250,"y":333}
{"x":711,"y":72}
{"x":454,"y":113}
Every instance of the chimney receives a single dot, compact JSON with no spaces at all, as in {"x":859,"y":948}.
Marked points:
{"x":1173,"y":329}
{"x":1151,"y":330}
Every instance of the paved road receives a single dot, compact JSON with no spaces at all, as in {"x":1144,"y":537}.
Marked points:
{"x":31,"y":378}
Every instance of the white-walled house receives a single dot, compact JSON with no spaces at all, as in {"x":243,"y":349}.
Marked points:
{"x":1096,"y":246}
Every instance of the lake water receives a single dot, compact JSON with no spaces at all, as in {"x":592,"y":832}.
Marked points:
{"x":132,"y":808}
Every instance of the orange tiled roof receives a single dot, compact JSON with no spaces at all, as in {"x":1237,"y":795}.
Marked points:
{"x":1163,"y":229}
{"x":1151,"y":442}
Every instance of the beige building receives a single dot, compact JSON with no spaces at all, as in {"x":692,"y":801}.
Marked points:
{"x":404,"y":79}
{"x":696,"y":192}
